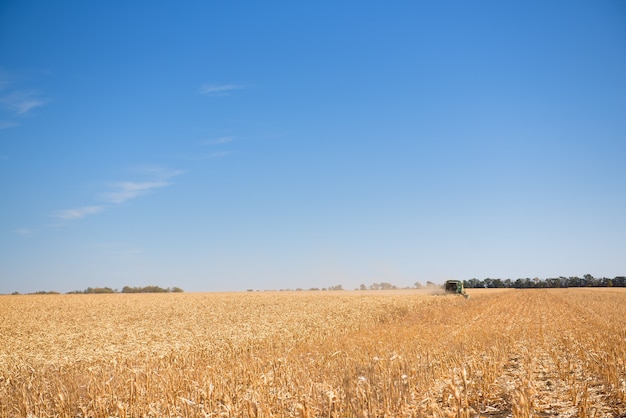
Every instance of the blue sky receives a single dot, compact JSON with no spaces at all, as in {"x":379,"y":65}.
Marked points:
{"x":224,"y":146}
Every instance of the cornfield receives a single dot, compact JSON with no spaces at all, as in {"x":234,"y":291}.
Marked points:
{"x":520,"y":353}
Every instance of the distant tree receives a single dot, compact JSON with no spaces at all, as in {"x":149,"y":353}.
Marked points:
{"x":592,"y":281}
{"x":417,"y":285}
{"x":149,"y":289}
{"x":473,"y":283}
{"x":574,"y":281}
{"x":102,"y":290}
{"x":362,"y":287}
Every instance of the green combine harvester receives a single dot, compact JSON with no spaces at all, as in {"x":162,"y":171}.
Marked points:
{"x":456,"y":287}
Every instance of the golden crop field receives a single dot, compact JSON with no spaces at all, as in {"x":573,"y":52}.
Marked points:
{"x":520,"y":353}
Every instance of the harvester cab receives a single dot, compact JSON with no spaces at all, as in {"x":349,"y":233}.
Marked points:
{"x":455,"y":287}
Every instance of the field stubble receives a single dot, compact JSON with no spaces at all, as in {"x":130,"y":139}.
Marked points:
{"x":522,"y":353}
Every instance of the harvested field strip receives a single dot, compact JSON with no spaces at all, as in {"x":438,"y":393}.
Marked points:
{"x":557,"y":352}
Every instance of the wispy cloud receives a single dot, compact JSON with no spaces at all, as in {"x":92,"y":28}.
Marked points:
{"x":157,"y":172}
{"x":17,"y":102}
{"x":126,"y":190}
{"x":21,"y":102}
{"x":218,"y":89}
{"x":218,"y":141}
{"x":24,"y":231}
{"x":123,"y":191}
{"x":78,"y":213}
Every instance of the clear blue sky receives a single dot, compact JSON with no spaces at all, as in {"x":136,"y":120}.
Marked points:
{"x":217,"y":145}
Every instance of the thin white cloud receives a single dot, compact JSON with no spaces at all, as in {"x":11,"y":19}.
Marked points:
{"x":218,"y":90}
{"x":158,"y":172}
{"x":218,"y":141}
{"x":127,"y":190}
{"x":123,"y":191}
{"x":24,"y":231}
{"x":21,"y":102}
{"x":78,"y":213}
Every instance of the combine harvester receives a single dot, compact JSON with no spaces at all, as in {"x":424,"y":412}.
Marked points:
{"x":455,"y":287}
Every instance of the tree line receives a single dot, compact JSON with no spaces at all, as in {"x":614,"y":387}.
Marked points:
{"x":536,"y":283}
{"x":523,"y":283}
{"x":104,"y":290}
{"x":526,"y":283}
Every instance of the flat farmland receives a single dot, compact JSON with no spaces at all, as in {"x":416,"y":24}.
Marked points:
{"x":520,"y":353}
